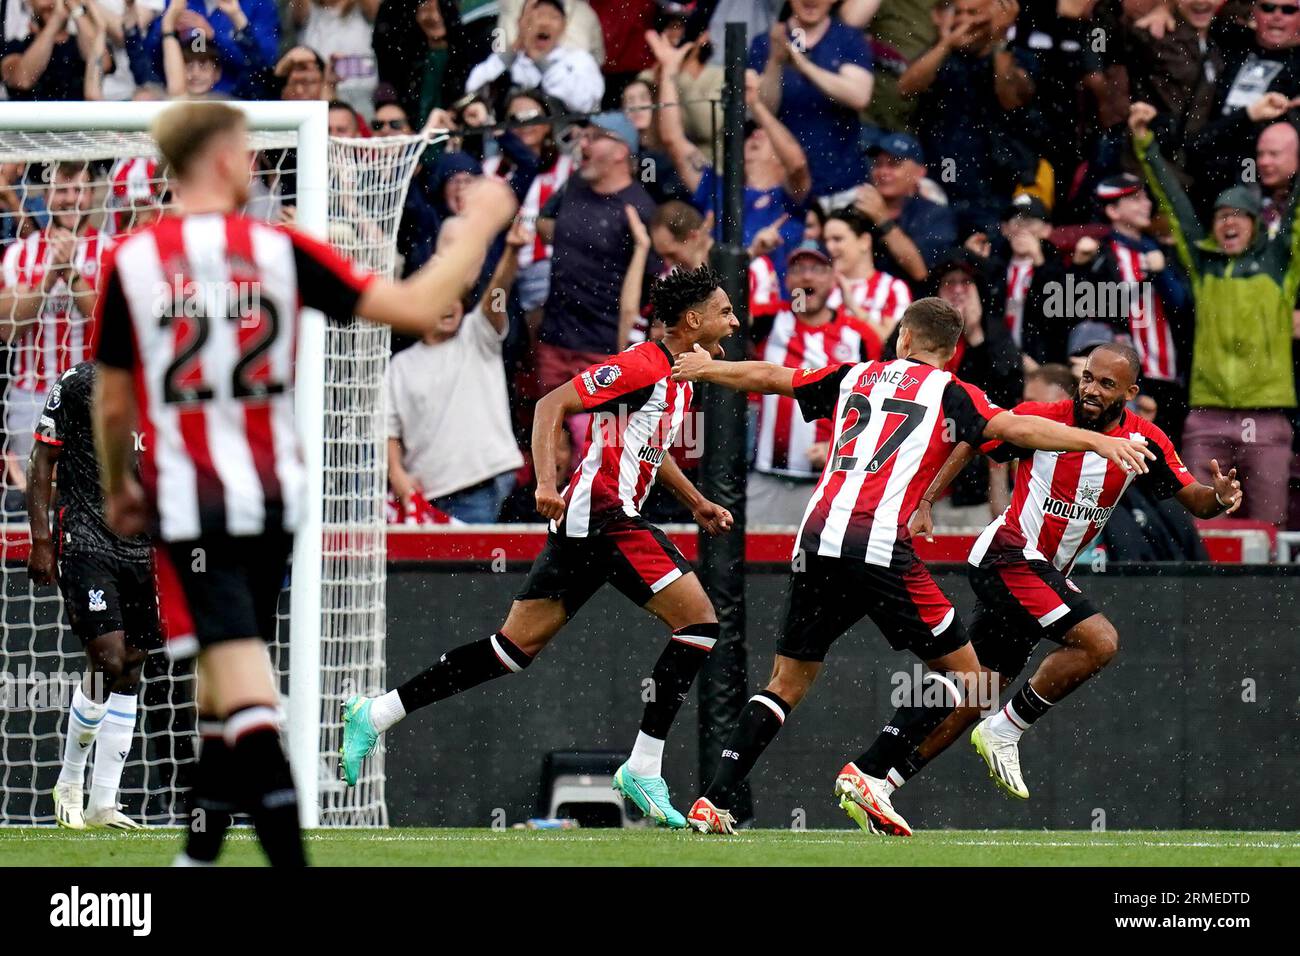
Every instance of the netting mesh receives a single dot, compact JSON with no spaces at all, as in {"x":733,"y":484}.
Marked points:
{"x":95,"y":184}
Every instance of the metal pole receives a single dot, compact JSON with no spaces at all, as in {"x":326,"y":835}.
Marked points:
{"x":724,"y":680}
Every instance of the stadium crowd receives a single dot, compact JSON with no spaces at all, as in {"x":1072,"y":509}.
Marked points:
{"x":1064,"y":172}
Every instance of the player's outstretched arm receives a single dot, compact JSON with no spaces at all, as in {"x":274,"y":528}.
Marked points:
{"x":40,"y":475}
{"x":1031,"y":431}
{"x":712,"y":517}
{"x":700,"y":366}
{"x":1223,"y":497}
{"x":548,"y":418}
{"x":415,"y":304}
{"x":922,"y":521}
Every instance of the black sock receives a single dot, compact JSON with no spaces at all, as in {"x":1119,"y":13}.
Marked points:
{"x":1029,"y":705}
{"x":910,"y":725}
{"x":266,"y":785}
{"x":911,"y":765}
{"x":673,"y":675}
{"x":757,"y":727}
{"x":210,"y":799}
{"x":462,"y":668}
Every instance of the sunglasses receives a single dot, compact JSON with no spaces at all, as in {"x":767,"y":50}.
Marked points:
{"x":1286,"y":9}
{"x":397,"y":125}
{"x":525,"y":116}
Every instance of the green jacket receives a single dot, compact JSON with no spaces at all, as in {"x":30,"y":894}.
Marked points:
{"x":1242,"y":344}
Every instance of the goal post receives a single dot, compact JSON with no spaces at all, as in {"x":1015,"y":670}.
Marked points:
{"x":350,"y":192}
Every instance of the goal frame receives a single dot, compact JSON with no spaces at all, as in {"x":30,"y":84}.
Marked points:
{"x":310,"y":121}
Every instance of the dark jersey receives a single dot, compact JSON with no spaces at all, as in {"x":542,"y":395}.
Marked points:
{"x":65,"y":423}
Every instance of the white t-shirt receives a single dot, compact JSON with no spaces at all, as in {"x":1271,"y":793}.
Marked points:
{"x":345,"y":43}
{"x":447,"y":403}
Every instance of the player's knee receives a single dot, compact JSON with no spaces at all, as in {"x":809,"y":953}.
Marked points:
{"x":109,"y":656}
{"x":1102,"y":644}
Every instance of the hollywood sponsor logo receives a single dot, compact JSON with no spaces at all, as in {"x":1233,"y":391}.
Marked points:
{"x":650,"y":454}
{"x":610,"y":425}
{"x":1073,"y":511}
{"x":76,"y":909}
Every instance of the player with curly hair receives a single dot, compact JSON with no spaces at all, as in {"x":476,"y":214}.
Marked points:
{"x":598,"y":536}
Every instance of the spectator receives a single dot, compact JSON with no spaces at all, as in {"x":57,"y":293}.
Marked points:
{"x":914,"y":232}
{"x":548,"y":169}
{"x":699,"y":84}
{"x":246,"y":34}
{"x":901,"y":30}
{"x":448,"y":391}
{"x":582,"y":28}
{"x":1129,"y":260}
{"x":1257,"y":87}
{"x":1083,"y":338}
{"x":423,"y":53}
{"x":1244,"y":286}
{"x":50,"y":63}
{"x":654,"y":167}
{"x":807,"y":333}
{"x":342,"y":31}
{"x":970,"y":83}
{"x":1176,"y":73}
{"x":47,"y":291}
{"x":1277,"y":157}
{"x":537,"y":59}
{"x":586,"y":222}
{"x":816,"y":77}
{"x":1022,"y":271}
{"x":301,"y":73}
{"x":757,"y":15}
{"x":190,"y":65}
{"x":871,"y":296}
{"x":1049,"y":383}
{"x":343,"y":120}
{"x":777,"y":179}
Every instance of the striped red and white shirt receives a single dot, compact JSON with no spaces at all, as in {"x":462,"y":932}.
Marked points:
{"x":61,"y":336}
{"x":1020,"y":273}
{"x":1153,"y":336}
{"x":204,"y":311}
{"x":881,"y":296}
{"x":1062,"y":500}
{"x":132,"y":180}
{"x":638,"y":412}
{"x":764,"y":288}
{"x":783,"y":436}
{"x":543,"y":187}
{"x":895,"y":425}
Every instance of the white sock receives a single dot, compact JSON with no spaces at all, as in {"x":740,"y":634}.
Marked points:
{"x":386,"y":710}
{"x":893,"y":780}
{"x":115,"y":736}
{"x":84,"y":720}
{"x":647,"y":758}
{"x":1006,"y":723}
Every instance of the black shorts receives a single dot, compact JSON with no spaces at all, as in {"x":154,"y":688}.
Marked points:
{"x":229,"y":588}
{"x":104,"y":594}
{"x":631,"y":554}
{"x":1021,"y":602}
{"x":830,"y":595}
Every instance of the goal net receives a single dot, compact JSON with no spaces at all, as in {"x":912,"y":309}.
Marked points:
{"x":68,"y":184}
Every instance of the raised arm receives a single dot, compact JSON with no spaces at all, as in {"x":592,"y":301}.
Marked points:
{"x":503,"y":277}
{"x":764,"y":377}
{"x":1031,"y":431}
{"x":687,"y":159}
{"x":1168,"y":192}
{"x":415,"y":304}
{"x":798,"y":180}
{"x":1223,"y":497}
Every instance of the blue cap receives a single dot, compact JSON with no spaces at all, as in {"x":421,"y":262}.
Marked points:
{"x":902,"y":145}
{"x":618,"y":126}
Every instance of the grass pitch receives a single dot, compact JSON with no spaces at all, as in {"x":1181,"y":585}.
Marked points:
{"x":438,"y":847}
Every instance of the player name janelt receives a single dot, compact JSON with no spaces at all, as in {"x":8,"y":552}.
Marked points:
{"x":78,"y":909}
{"x":188,"y":298}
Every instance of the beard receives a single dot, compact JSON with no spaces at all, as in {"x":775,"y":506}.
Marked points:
{"x":1106,"y":417}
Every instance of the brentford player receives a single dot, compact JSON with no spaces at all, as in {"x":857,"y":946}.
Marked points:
{"x":806,"y":333}
{"x":875,"y":297}
{"x":49,"y":277}
{"x":199,"y":314}
{"x":895,"y":424}
{"x":1020,"y":566}
{"x":598,"y":536}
